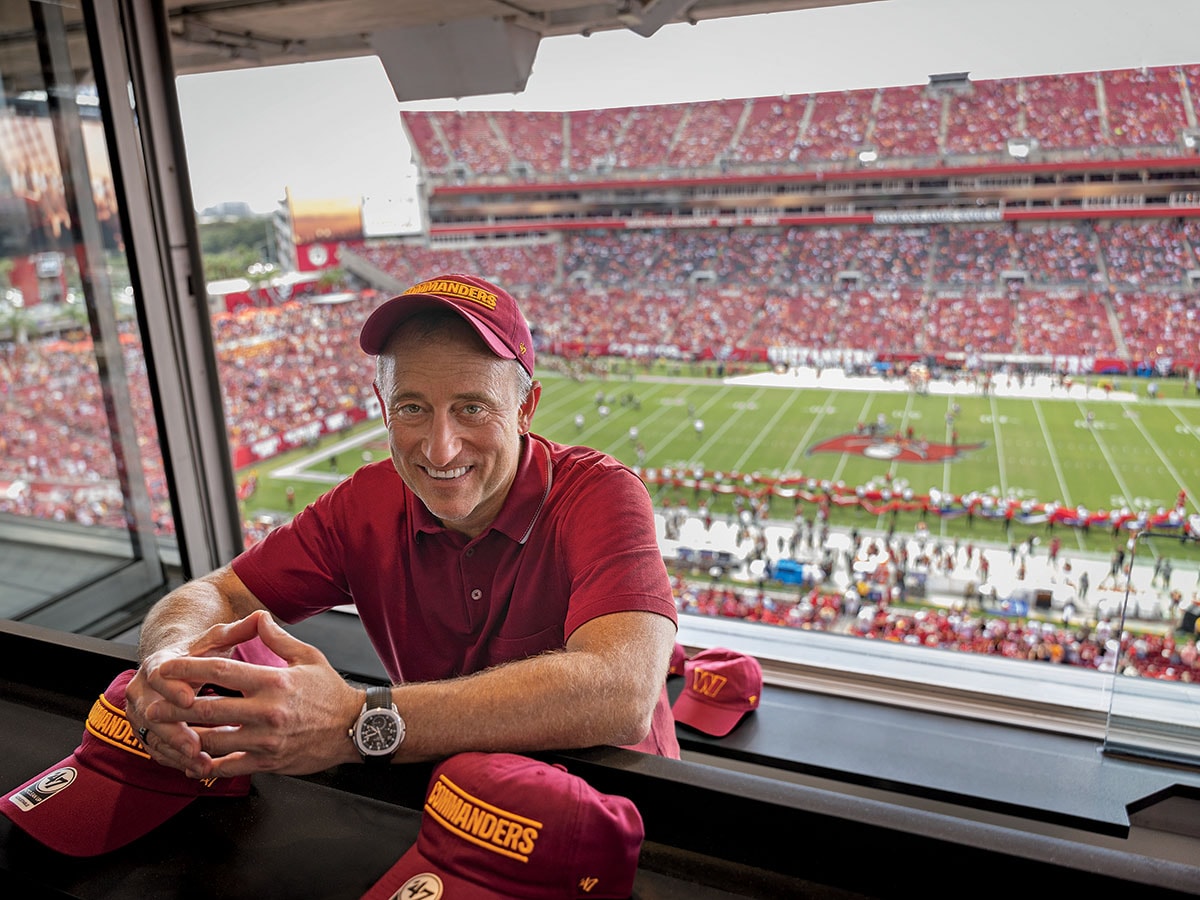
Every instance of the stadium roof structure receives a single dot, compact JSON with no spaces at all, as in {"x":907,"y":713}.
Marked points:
{"x":490,"y":42}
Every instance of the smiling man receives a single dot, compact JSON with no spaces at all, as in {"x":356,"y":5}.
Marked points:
{"x":513,"y":587}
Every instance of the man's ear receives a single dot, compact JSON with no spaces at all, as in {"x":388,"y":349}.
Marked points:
{"x":525,"y":413}
{"x":379,"y":397}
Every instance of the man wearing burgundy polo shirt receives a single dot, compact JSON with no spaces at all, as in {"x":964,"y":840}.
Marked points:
{"x":513,"y":587}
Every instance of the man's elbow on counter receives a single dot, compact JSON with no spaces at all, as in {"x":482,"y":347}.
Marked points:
{"x":634,"y":731}
{"x":632,"y":720}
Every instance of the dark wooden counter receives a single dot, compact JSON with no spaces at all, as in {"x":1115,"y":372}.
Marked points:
{"x":711,"y":832}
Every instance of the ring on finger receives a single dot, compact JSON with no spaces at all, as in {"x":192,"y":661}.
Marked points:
{"x":142,"y":732}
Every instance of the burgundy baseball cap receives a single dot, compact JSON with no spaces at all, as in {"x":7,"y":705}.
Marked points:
{"x":489,"y":309}
{"x":109,"y":791}
{"x":720,"y":686}
{"x":498,"y":826}
{"x":678,"y":658}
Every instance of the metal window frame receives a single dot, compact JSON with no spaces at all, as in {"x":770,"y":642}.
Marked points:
{"x":136,"y":83}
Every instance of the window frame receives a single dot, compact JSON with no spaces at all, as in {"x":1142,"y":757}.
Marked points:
{"x":135,"y":80}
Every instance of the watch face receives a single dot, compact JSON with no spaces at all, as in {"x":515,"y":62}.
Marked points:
{"x":379,"y":732}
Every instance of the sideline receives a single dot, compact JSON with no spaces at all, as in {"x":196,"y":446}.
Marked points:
{"x":1042,"y":386}
{"x":297,"y":470}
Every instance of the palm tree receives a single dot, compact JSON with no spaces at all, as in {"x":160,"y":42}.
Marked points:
{"x":17,"y":323}
{"x":331,"y":279}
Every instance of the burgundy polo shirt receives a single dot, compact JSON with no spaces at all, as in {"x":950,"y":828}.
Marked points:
{"x":574,"y":540}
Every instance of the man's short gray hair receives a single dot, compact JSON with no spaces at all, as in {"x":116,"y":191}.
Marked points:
{"x":431,"y":322}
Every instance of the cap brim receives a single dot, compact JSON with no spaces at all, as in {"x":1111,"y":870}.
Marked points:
{"x":413,"y":875}
{"x":89,"y":814}
{"x":717,"y":721}
{"x":384,"y":321}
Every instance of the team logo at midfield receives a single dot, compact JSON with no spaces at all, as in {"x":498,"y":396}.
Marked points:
{"x":892,"y":448}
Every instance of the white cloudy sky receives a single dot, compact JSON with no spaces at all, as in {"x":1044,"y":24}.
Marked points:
{"x":332,"y":129}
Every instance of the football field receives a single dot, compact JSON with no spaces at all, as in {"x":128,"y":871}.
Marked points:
{"x":1035,"y":444}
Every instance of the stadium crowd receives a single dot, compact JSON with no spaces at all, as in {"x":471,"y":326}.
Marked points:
{"x":634,"y":294}
{"x":858,"y":585}
{"x":1082,"y":114}
{"x":1112,"y":295}
{"x":1091,"y":645}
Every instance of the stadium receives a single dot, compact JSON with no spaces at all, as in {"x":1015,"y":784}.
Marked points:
{"x":911,"y":375}
{"x":970,"y":283}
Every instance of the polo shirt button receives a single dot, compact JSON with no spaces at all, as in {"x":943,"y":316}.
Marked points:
{"x":476,"y":594}
{"x":470,"y":551}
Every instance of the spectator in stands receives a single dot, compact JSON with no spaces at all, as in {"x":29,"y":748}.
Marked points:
{"x":512,"y":610}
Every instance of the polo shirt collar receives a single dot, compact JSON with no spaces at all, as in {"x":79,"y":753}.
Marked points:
{"x":525,"y":501}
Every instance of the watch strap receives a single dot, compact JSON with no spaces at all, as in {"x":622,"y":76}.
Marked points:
{"x":379,"y":697}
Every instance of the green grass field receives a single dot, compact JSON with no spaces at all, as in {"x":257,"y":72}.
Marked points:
{"x":1137,"y":453}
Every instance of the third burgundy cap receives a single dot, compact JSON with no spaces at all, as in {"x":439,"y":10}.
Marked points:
{"x":678,"y":658}
{"x":720,"y":686}
{"x":489,"y":309}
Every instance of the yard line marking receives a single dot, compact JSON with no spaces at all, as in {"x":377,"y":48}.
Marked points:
{"x":296,"y":469}
{"x":1194,"y":432}
{"x":880,"y":519}
{"x":563,"y":400}
{"x":1112,"y":463}
{"x":623,"y":441}
{"x":999,"y":447}
{"x":1188,"y":426}
{"x":1158,"y":452}
{"x":790,"y":465}
{"x":950,"y":426}
{"x":727,"y":424}
{"x":758,"y":439}
{"x":903,"y":425}
{"x":845,"y":458}
{"x":601,"y":423}
{"x":688,"y":423}
{"x":1058,"y":472}
{"x":559,"y":408}
{"x":1191,"y":429}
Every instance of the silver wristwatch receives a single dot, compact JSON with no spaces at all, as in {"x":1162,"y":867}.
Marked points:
{"x":378,"y":731}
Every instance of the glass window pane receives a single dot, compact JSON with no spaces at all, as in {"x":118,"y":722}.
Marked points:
{"x":897,"y":448}
{"x":1155,"y":706}
{"x":83,"y":494}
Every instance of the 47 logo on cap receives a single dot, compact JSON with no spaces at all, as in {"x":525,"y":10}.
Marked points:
{"x":45,"y":788}
{"x":425,"y":886}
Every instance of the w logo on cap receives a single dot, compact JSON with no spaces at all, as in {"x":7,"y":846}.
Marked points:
{"x":707,"y":683}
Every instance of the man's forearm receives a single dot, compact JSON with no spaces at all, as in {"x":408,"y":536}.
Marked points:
{"x":188,"y":611}
{"x":579,"y":697}
{"x":542,"y":703}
